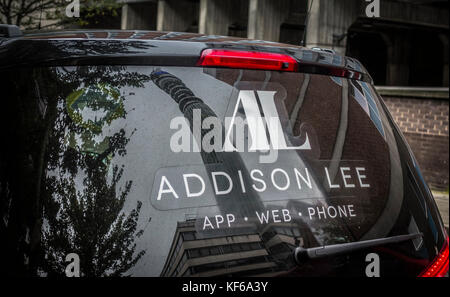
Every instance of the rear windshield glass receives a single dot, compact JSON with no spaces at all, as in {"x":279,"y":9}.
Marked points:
{"x":177,"y":171}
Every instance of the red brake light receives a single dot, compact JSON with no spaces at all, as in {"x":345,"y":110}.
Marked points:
{"x":439,"y":266}
{"x":247,"y":60}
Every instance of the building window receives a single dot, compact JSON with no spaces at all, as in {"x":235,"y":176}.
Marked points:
{"x":246,"y":247}
{"x":204,"y":252}
{"x":214,"y":250}
{"x":227,"y":249}
{"x":194,"y":253}
{"x":255,"y":245}
{"x":187,"y":236}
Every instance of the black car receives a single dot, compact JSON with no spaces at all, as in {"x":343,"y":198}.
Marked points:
{"x":177,"y":154}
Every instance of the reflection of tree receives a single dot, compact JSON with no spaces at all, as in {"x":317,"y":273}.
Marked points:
{"x":59,"y":198}
{"x":90,"y":223}
{"x":88,"y":47}
{"x":84,"y":198}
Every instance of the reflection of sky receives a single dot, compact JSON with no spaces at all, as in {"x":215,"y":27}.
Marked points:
{"x":90,"y":114}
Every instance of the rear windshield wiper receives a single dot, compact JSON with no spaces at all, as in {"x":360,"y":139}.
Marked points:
{"x":302,"y":255}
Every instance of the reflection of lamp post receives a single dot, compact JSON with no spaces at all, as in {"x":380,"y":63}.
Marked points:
{"x":187,"y":102}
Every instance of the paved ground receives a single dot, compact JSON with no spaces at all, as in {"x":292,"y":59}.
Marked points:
{"x":442,"y":203}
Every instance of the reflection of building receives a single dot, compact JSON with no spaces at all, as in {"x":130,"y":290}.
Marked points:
{"x":237,"y":255}
{"x":281,"y":239}
{"x":242,"y":253}
{"x":383,"y":43}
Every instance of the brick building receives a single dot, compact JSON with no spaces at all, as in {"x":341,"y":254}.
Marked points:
{"x":422,"y":115}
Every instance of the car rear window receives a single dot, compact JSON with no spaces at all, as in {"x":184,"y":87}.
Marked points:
{"x":180,"y":171}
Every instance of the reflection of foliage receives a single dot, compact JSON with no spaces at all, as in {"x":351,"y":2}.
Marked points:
{"x":87,"y":78}
{"x":93,"y":108}
{"x":83,"y":48}
{"x":115,"y":76}
{"x":95,"y":98}
{"x":84,"y":198}
{"x":91,"y":224}
{"x":67,"y":129}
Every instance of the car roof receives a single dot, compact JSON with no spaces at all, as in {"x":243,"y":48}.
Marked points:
{"x":135,"y":47}
{"x":145,"y":35}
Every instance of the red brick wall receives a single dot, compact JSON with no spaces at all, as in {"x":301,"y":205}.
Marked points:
{"x":424,"y":122}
